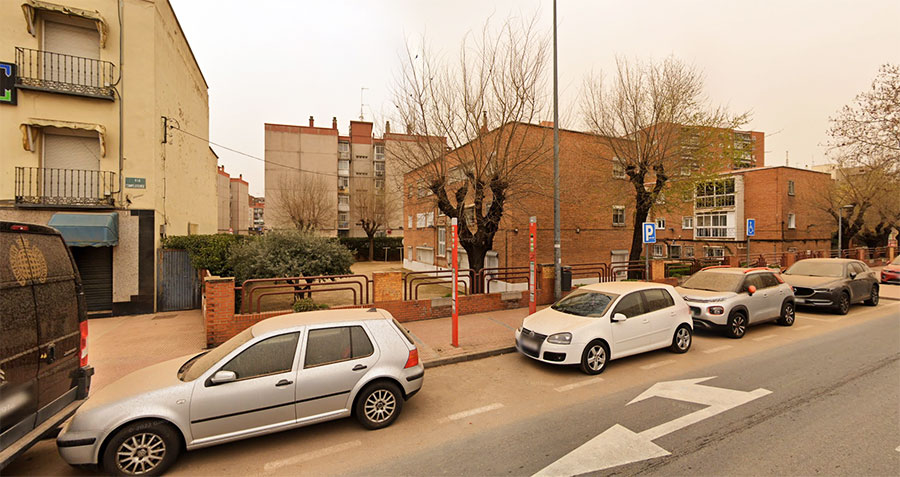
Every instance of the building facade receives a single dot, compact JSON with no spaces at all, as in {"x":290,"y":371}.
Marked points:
{"x":88,"y":143}
{"x":239,"y":204}
{"x":349,"y":177}
{"x":257,"y":214}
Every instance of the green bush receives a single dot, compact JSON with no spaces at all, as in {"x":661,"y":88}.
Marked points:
{"x":359,"y":246}
{"x":212,"y":252}
{"x":289,"y":254}
{"x":307,"y":304}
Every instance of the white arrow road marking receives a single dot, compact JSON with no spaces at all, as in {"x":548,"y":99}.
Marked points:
{"x":619,"y":445}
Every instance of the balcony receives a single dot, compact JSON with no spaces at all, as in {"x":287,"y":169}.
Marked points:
{"x":45,"y":187}
{"x":345,"y":225}
{"x":343,"y":207}
{"x":58,"y":73}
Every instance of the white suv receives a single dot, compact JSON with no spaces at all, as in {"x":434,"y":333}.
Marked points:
{"x":731,"y":299}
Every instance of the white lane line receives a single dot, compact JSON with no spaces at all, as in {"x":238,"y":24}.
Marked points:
{"x":658,"y":364}
{"x":819,"y":319}
{"x":470,"y":412}
{"x":803,"y":327}
{"x":717,"y":349}
{"x":569,"y":387}
{"x":763,"y":338}
{"x":308,"y":456}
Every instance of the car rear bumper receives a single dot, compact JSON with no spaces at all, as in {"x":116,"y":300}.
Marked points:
{"x":890,"y":277}
{"x":413,"y":379}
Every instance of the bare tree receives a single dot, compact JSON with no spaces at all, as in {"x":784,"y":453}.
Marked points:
{"x":865,"y":141}
{"x":480,"y":107}
{"x":305,"y":201}
{"x":374,"y":214}
{"x":655,"y":119}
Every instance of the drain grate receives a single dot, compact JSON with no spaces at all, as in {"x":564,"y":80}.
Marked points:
{"x":165,"y":317}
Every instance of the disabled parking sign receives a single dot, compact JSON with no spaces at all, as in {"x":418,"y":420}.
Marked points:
{"x":751,"y":227}
{"x":649,"y":232}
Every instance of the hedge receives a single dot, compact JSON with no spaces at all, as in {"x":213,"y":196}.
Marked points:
{"x":212,"y":252}
{"x":359,"y":246}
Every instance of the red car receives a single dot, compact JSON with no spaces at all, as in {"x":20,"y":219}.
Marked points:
{"x":891,"y":272}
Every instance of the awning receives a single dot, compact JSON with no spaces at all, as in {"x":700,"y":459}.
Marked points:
{"x":30,"y":7}
{"x":88,"y":230}
{"x":29,"y":133}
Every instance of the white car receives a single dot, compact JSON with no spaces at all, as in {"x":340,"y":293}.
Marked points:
{"x":598,"y":323}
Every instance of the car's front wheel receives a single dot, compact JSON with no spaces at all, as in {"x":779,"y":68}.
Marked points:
{"x":843,"y":306}
{"x":737,"y":325}
{"x":681,"y":342}
{"x":595,"y":357}
{"x":873,"y":297}
{"x":142,"y":448}
{"x":379,"y":404}
{"x":787,"y":314}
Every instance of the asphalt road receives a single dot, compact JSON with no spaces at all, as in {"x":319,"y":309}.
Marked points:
{"x":832,"y":408}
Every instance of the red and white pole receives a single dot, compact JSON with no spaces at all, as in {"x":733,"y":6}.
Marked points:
{"x":455,"y":261}
{"x":532,"y":265}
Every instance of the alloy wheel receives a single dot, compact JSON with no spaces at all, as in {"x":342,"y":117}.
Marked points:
{"x":596,"y":357}
{"x":380,"y":405}
{"x":788,"y":314}
{"x":738,"y":325}
{"x":845,"y":304}
{"x":682,"y":339}
{"x":140,"y":453}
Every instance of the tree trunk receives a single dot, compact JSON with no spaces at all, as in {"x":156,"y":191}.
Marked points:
{"x":637,"y":237}
{"x":371,"y":247}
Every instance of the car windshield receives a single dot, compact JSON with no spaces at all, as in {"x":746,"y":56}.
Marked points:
{"x":816,"y":269}
{"x":199,"y":364}
{"x":714,"y":281}
{"x":585,"y":303}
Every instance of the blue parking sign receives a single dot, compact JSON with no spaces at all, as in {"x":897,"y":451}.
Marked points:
{"x":649,"y":232}
{"x":751,"y":227}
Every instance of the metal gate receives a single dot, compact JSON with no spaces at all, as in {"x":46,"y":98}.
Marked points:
{"x":177,"y":282}
{"x":95,"y":267}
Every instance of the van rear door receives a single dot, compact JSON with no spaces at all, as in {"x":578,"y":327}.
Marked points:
{"x":19,"y":351}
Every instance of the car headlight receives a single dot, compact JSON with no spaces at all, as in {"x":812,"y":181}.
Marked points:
{"x":716,"y":310}
{"x":560,"y":338}
{"x":822,"y":290}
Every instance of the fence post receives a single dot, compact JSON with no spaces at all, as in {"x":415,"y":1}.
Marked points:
{"x":387,"y":286}
{"x":218,"y":313}
{"x":454,"y":284}
{"x":532,"y":265}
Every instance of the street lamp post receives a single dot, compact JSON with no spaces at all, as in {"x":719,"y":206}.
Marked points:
{"x":557,"y":253}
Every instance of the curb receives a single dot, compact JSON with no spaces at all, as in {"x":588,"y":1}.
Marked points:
{"x":469,"y":357}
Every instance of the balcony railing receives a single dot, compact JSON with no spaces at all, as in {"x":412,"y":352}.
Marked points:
{"x":39,"y":186}
{"x":59,"y":73}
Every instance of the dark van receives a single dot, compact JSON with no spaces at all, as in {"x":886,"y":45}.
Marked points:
{"x":44,"y":373}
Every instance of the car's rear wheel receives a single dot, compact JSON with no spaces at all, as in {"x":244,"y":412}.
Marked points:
{"x":787,"y":314}
{"x":142,"y":448}
{"x":681,"y":342}
{"x":595,"y":357}
{"x":379,"y":404}
{"x":873,"y":298}
{"x":843,"y":306}
{"x":737,"y":325}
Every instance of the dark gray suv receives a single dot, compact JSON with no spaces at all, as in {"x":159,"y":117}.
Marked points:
{"x":833,"y":283}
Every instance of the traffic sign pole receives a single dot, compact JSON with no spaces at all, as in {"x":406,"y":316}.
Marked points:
{"x":532,"y":259}
{"x":454,"y":286}
{"x":648,"y":232}
{"x":751,"y":231}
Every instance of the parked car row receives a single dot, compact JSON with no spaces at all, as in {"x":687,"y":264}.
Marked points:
{"x":598,"y":323}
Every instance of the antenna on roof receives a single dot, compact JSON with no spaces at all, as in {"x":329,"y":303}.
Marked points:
{"x":361,"y":104}
{"x":786,"y":159}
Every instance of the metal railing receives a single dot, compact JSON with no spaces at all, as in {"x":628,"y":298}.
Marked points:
{"x":413,"y":280}
{"x":60,"y":73}
{"x":64,"y":187}
{"x":252,"y":291}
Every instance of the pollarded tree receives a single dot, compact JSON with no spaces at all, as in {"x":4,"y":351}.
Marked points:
{"x":656,"y":120}
{"x":374,"y":214}
{"x":304,"y":201}
{"x":470,"y":142}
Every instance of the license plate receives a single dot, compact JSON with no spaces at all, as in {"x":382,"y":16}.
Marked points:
{"x":800,"y":301}
{"x":530,"y":345}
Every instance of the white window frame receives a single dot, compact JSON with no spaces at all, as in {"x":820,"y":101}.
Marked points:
{"x":442,"y":241}
{"x":344,"y":164}
{"x":791,"y":188}
{"x":421,"y":220}
{"x":709,"y":225}
{"x":687,"y":223}
{"x":379,"y":152}
{"x":720,"y":196}
{"x":410,"y":226}
{"x":792,"y":221}
{"x":344,"y":200}
{"x":616,"y":209}
{"x":379,"y":183}
{"x":661,"y":223}
{"x":659,"y":250}
{"x":618,"y":169}
{"x":687,"y":251}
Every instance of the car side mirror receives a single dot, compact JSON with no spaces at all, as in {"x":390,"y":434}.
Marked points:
{"x":751,"y":289}
{"x":852,"y":275}
{"x":617,"y":317}
{"x":222,"y":377}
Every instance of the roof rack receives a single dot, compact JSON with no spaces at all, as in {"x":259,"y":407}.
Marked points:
{"x":757,"y":269}
{"x":715,"y":266}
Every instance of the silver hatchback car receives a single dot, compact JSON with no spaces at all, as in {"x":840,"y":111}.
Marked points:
{"x":281,"y":373}
{"x":731,"y":299}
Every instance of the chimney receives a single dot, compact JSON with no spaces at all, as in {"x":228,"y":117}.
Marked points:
{"x":311,"y":121}
{"x":484,"y":121}
{"x":334,"y":122}
{"x":387,"y":127}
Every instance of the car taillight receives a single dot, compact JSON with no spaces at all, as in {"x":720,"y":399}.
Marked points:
{"x":413,"y":359}
{"x":84,"y":343}
{"x":20,"y":228}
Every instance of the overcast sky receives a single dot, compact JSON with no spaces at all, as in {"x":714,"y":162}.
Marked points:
{"x":792,"y":63}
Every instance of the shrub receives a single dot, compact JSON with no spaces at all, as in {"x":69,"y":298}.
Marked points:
{"x":307,"y":304}
{"x":212,"y":252}
{"x":359,"y":246}
{"x":289,"y":254}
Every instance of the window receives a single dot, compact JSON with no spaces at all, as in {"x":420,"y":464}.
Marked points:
{"x":660,"y":223}
{"x":269,"y":356}
{"x":332,"y":345}
{"x":768,"y":280}
{"x":421,"y":220}
{"x":715,"y":194}
{"x":688,"y":252}
{"x":715,"y":225}
{"x":618,"y":168}
{"x":687,"y":223}
{"x":344,"y":147}
{"x":343,"y":165}
{"x":754,"y":280}
{"x":409,"y":191}
{"x":343,"y":220}
{"x":410,"y":224}
{"x":429,"y":219}
{"x":618,"y":215}
{"x":442,"y":241}
{"x":714,"y":251}
{"x":379,"y":169}
{"x":343,"y":183}
{"x":379,"y":152}
{"x":659,"y":250}
{"x":792,"y":221}
{"x":658,"y":299}
{"x":585,"y":303}
{"x":790,"y":187}
{"x":344,"y":200}
{"x":631,"y":305}
{"x":379,"y":184}
{"x":674,"y":251}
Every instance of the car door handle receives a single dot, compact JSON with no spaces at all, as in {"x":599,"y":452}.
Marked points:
{"x":359,"y":367}
{"x":283,"y":382}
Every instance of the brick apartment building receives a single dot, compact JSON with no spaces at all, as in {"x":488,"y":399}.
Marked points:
{"x":597,"y":211}
{"x":257,"y":214}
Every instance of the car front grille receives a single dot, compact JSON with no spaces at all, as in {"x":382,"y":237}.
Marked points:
{"x":803,"y":291}
{"x":536,"y":338}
